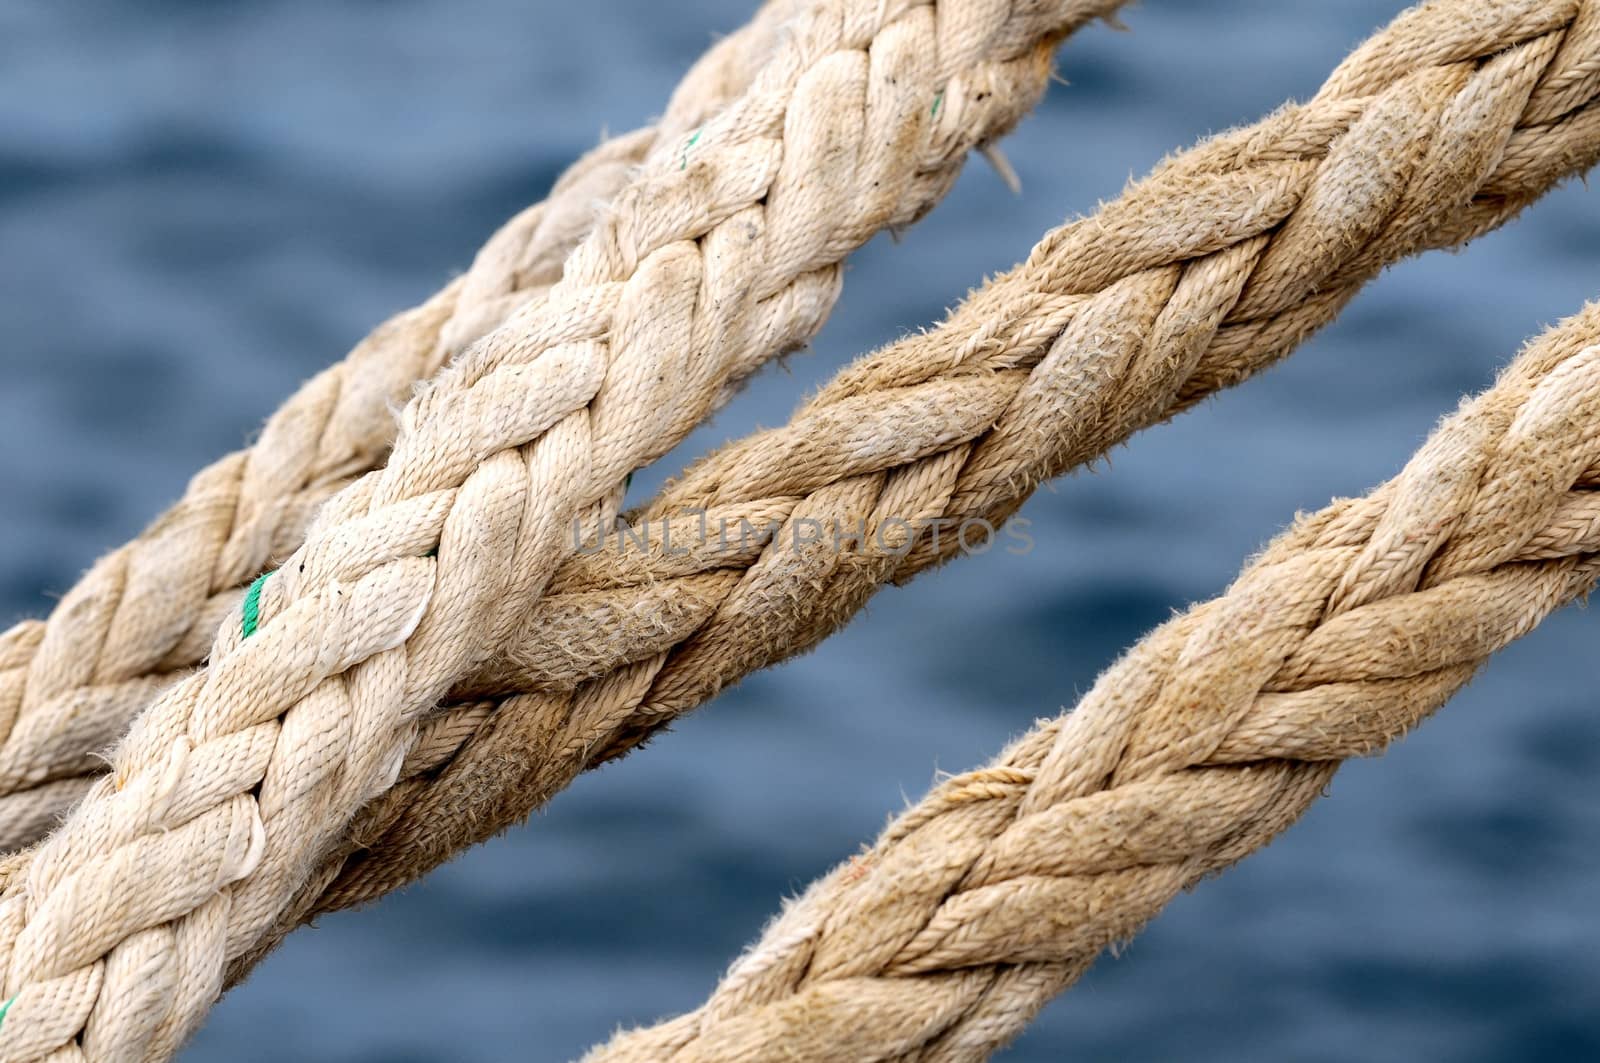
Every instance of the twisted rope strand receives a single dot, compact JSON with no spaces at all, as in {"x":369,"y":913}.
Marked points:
{"x":144,"y":614}
{"x":1215,"y":266}
{"x":224,"y":794}
{"x":1207,"y":739}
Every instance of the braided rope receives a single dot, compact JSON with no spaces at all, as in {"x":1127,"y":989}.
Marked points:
{"x":1443,"y":126}
{"x":114,"y":937}
{"x":71,"y":685}
{"x":1207,"y":739}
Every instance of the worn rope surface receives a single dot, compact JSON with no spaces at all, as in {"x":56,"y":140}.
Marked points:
{"x":145,"y":614}
{"x":1441,"y":127}
{"x":1206,"y":740}
{"x":114,"y":937}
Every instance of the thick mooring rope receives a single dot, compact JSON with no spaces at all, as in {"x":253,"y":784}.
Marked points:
{"x":146,"y":613}
{"x":1215,"y":266}
{"x":115,"y":937}
{"x":1213,"y":734}
{"x":114,"y":934}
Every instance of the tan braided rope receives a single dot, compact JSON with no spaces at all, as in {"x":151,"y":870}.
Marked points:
{"x":1215,"y":266}
{"x":1211,"y":736}
{"x":142,"y":616}
{"x":223,"y":795}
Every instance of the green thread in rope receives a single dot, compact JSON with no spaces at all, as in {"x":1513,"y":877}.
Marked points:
{"x":7,"y":1007}
{"x":247,"y":627}
{"x":252,"y":616}
{"x":938,"y":101}
{"x":683,"y":163}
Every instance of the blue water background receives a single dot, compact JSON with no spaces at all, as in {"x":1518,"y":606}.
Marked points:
{"x":202,"y":204}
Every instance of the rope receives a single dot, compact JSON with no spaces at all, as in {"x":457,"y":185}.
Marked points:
{"x":115,"y":935}
{"x":1575,"y":144}
{"x":1440,"y":128}
{"x":1207,"y":739}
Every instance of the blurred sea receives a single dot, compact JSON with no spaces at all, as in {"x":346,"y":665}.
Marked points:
{"x":202,"y":204}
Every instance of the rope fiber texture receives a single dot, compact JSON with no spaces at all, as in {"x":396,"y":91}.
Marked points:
{"x":1212,"y":735}
{"x":1441,"y":127}
{"x":115,"y":935}
{"x":144,"y":615}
